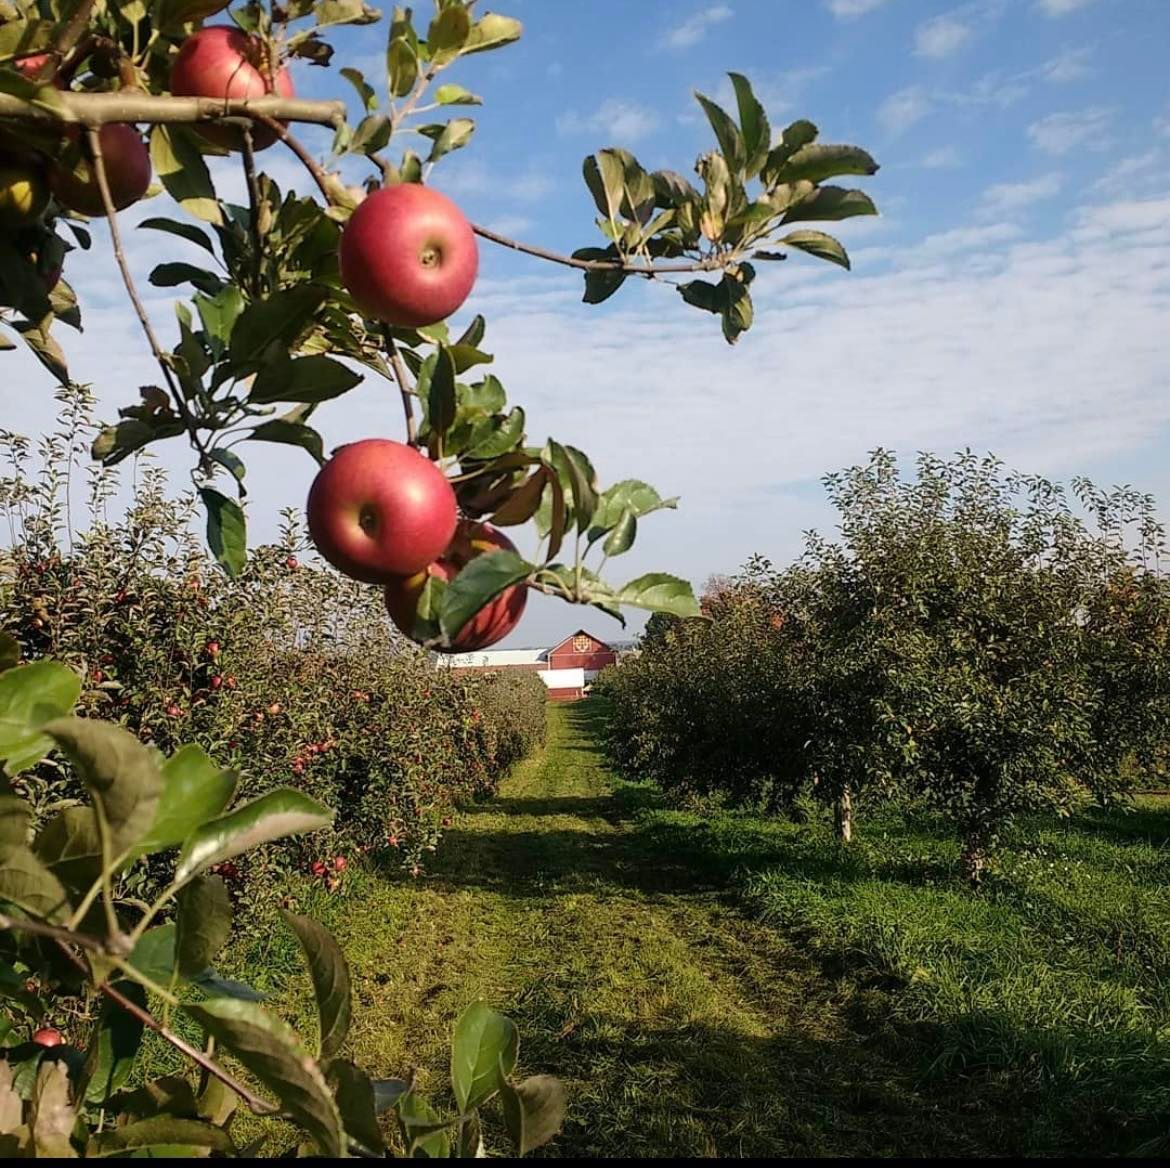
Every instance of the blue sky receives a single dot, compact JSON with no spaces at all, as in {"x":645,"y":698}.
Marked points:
{"x":1014,"y":295}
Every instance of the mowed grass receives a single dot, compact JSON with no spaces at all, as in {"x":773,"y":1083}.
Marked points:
{"x":724,"y":984}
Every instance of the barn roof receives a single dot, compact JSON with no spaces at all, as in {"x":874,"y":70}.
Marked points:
{"x":579,"y":633}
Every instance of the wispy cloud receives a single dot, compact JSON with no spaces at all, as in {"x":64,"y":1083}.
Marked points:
{"x":944,"y":158}
{"x":1070,"y":65}
{"x":849,"y":9}
{"x":903,"y":109}
{"x":941,"y":36}
{"x":616,"y":120}
{"x":1005,"y":198}
{"x":1061,"y":7}
{"x":1061,"y":132}
{"x":692,"y":30}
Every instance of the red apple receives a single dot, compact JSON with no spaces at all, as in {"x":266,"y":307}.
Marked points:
{"x":291,"y":563}
{"x":378,"y":509}
{"x":408,"y":256}
{"x":224,"y":62}
{"x":216,"y":682}
{"x":40,"y":67}
{"x":127,"y":171}
{"x":47,"y":1037}
{"x":494,"y":621}
{"x":340,"y":863}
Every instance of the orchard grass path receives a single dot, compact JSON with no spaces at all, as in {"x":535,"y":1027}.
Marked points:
{"x":595,"y":920}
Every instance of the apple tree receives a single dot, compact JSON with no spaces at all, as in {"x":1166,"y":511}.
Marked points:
{"x":299,"y":300}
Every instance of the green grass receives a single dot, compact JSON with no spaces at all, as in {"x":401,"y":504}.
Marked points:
{"x":722,"y":984}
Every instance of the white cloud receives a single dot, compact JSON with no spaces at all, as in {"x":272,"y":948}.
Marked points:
{"x":1004,"y":198}
{"x":1070,"y":65}
{"x":469,"y":176}
{"x":618,"y":121}
{"x":940,"y":37}
{"x":961,"y":239}
{"x":510,"y":225}
{"x":944,"y":158}
{"x":1059,"y":133}
{"x":903,"y":109}
{"x":1061,"y":7}
{"x":694,"y":28}
{"x":848,"y":9}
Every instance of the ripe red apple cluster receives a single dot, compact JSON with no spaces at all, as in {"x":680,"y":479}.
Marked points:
{"x":382,"y":513}
{"x":379,"y":511}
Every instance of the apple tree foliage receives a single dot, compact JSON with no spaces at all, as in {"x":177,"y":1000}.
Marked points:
{"x":269,"y":332}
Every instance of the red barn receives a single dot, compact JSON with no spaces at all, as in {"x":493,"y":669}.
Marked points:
{"x":566,"y":669}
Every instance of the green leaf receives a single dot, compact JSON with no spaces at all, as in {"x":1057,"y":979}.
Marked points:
{"x":423,"y":1132}
{"x":71,"y":846}
{"x":441,"y":400}
{"x":356,"y":1101}
{"x":181,"y":170}
{"x":731,"y":143}
{"x":227,"y":533}
{"x":483,"y":578}
{"x":331,"y":984}
{"x":291,"y":434}
{"x":164,"y":1135}
{"x":621,"y":538}
{"x":214,"y":986}
{"x":28,"y":884}
{"x":278,"y":321}
{"x":204,"y":923}
{"x":504,"y":436}
{"x":795,"y":137}
{"x":387,"y":1093}
{"x":738,"y":311}
{"x":402,"y":54}
{"x":456,"y":95}
{"x":114,"y":443}
{"x":15,"y":818}
{"x":605,"y":176}
{"x":447,"y":34}
{"x":577,"y":474}
{"x":154,"y":954}
{"x":119,"y":772}
{"x":702,"y":294}
{"x":601,"y":284}
{"x":660,"y":593}
{"x":814,"y":163}
{"x":194,"y":791}
{"x":9,"y":651}
{"x":277,"y":814}
{"x":452,"y":136}
{"x":30,"y":696}
{"x":831,"y":203}
{"x":754,"y":128}
{"x":305,"y":379}
{"x":113,"y":1045}
{"x":51,"y":1116}
{"x":171,"y":275}
{"x":492,"y":31}
{"x":365,"y":91}
{"x":522,"y":503}
{"x":483,"y":1053}
{"x":187,"y":231}
{"x":534,"y":1111}
{"x":272,"y":1052}
{"x":819,"y":244}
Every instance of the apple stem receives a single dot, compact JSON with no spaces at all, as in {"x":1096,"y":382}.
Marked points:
{"x":94,"y":143}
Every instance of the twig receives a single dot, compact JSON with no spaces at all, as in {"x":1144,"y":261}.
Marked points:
{"x":93,"y":140}
{"x":711,"y":264}
{"x":65,"y":938}
{"x":96,"y":109}
{"x":249,"y":157}
{"x":71,"y":33}
{"x":298,"y":148}
{"x":399,"y":367}
{"x":257,"y":1105}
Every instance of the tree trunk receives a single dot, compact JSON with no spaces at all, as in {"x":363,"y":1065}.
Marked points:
{"x":843,"y":815}
{"x":974,"y":857}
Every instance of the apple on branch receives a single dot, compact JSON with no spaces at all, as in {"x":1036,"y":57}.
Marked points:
{"x":408,"y":256}
{"x":379,"y":509}
{"x":494,"y":621}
